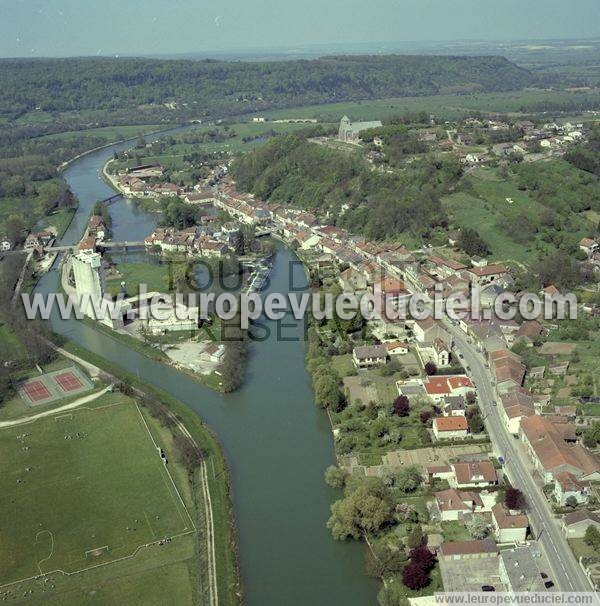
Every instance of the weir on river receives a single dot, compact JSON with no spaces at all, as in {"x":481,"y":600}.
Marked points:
{"x":276,"y":441}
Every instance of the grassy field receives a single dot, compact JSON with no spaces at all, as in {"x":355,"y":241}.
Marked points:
{"x":218,"y":478}
{"x":446,"y":106}
{"x":482,"y":205}
{"x":11,"y":347}
{"x":110,"y":133}
{"x":58,"y":220}
{"x":154,"y":276}
{"x":90,"y":479}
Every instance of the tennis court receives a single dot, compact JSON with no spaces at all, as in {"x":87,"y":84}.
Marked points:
{"x":36,"y":391}
{"x":68,"y":381}
{"x":52,"y":386}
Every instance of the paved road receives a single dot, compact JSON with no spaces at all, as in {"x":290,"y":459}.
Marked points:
{"x":567,"y":573}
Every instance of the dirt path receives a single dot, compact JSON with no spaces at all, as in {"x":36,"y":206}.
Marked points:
{"x":47,"y":413}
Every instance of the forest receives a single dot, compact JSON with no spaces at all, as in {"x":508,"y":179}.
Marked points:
{"x":211,"y":87}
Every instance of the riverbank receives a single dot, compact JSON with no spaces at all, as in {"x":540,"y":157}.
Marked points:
{"x":64,"y":165}
{"x":215,"y":475}
{"x":277,"y":442}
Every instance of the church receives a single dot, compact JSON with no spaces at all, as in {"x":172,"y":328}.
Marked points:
{"x":349,"y":131}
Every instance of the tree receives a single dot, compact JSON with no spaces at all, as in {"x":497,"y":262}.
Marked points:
{"x":415,"y":537}
{"x":592,"y":537}
{"x":571,"y":502}
{"x":414,"y":577}
{"x":327,"y":391}
{"x":335,"y":477}
{"x":478,"y":527}
{"x":514,"y":498}
{"x":475,"y":420}
{"x":430,"y":368}
{"x":472,"y":243}
{"x":402,"y":406}
{"x":591,"y":436}
{"x":425,"y":415}
{"x":367,"y":507}
{"x":409,"y":479}
{"x":422,"y":556}
{"x":188,"y":452}
{"x":383,"y":561}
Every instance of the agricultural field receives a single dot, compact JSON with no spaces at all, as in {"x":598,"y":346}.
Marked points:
{"x":446,"y":106}
{"x":84,"y":488}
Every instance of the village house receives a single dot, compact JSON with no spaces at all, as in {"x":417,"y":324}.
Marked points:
{"x":438,"y":472}
{"x":367,"y":356}
{"x":397,"y":348}
{"x":87,"y":244}
{"x":331,"y":232}
{"x":441,"y":267}
{"x":442,"y":386}
{"x":567,"y":486}
{"x":575,"y":523}
{"x":507,"y":369}
{"x":38,"y":240}
{"x":454,"y":406}
{"x":509,"y":527}
{"x":97,"y":228}
{"x":450,"y":428}
{"x":214,"y":352}
{"x":517,"y":404}
{"x":468,"y":550}
{"x":551,"y":443}
{"x":588,"y":246}
{"x":454,"y":504}
{"x":428,"y":330}
{"x":391,"y":293}
{"x":473,"y":474}
{"x":352,"y":280}
{"x":487,"y":274}
{"x":529,"y":332}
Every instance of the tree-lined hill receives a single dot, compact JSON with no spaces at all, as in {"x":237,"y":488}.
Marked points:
{"x":291,"y":169}
{"x":220,"y":87}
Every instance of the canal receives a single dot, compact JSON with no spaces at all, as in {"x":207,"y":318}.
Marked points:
{"x":276,"y":441}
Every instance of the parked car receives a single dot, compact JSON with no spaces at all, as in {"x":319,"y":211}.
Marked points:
{"x":544,"y":575}
{"x":488,"y":588}
{"x":548,"y":584}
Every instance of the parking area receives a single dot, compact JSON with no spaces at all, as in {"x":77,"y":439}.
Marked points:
{"x":471,"y":574}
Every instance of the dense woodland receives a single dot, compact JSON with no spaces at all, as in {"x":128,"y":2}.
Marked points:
{"x":586,"y":156}
{"x":224,"y":87}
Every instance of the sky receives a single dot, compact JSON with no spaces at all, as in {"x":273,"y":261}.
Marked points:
{"x":30,"y":28}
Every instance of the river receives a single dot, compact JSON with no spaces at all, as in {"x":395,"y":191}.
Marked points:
{"x":276,"y":441}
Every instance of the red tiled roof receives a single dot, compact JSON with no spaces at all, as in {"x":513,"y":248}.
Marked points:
{"x":468,"y":547}
{"x":451,"y":423}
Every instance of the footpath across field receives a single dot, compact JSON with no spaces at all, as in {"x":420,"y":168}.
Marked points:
{"x":83,"y":488}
